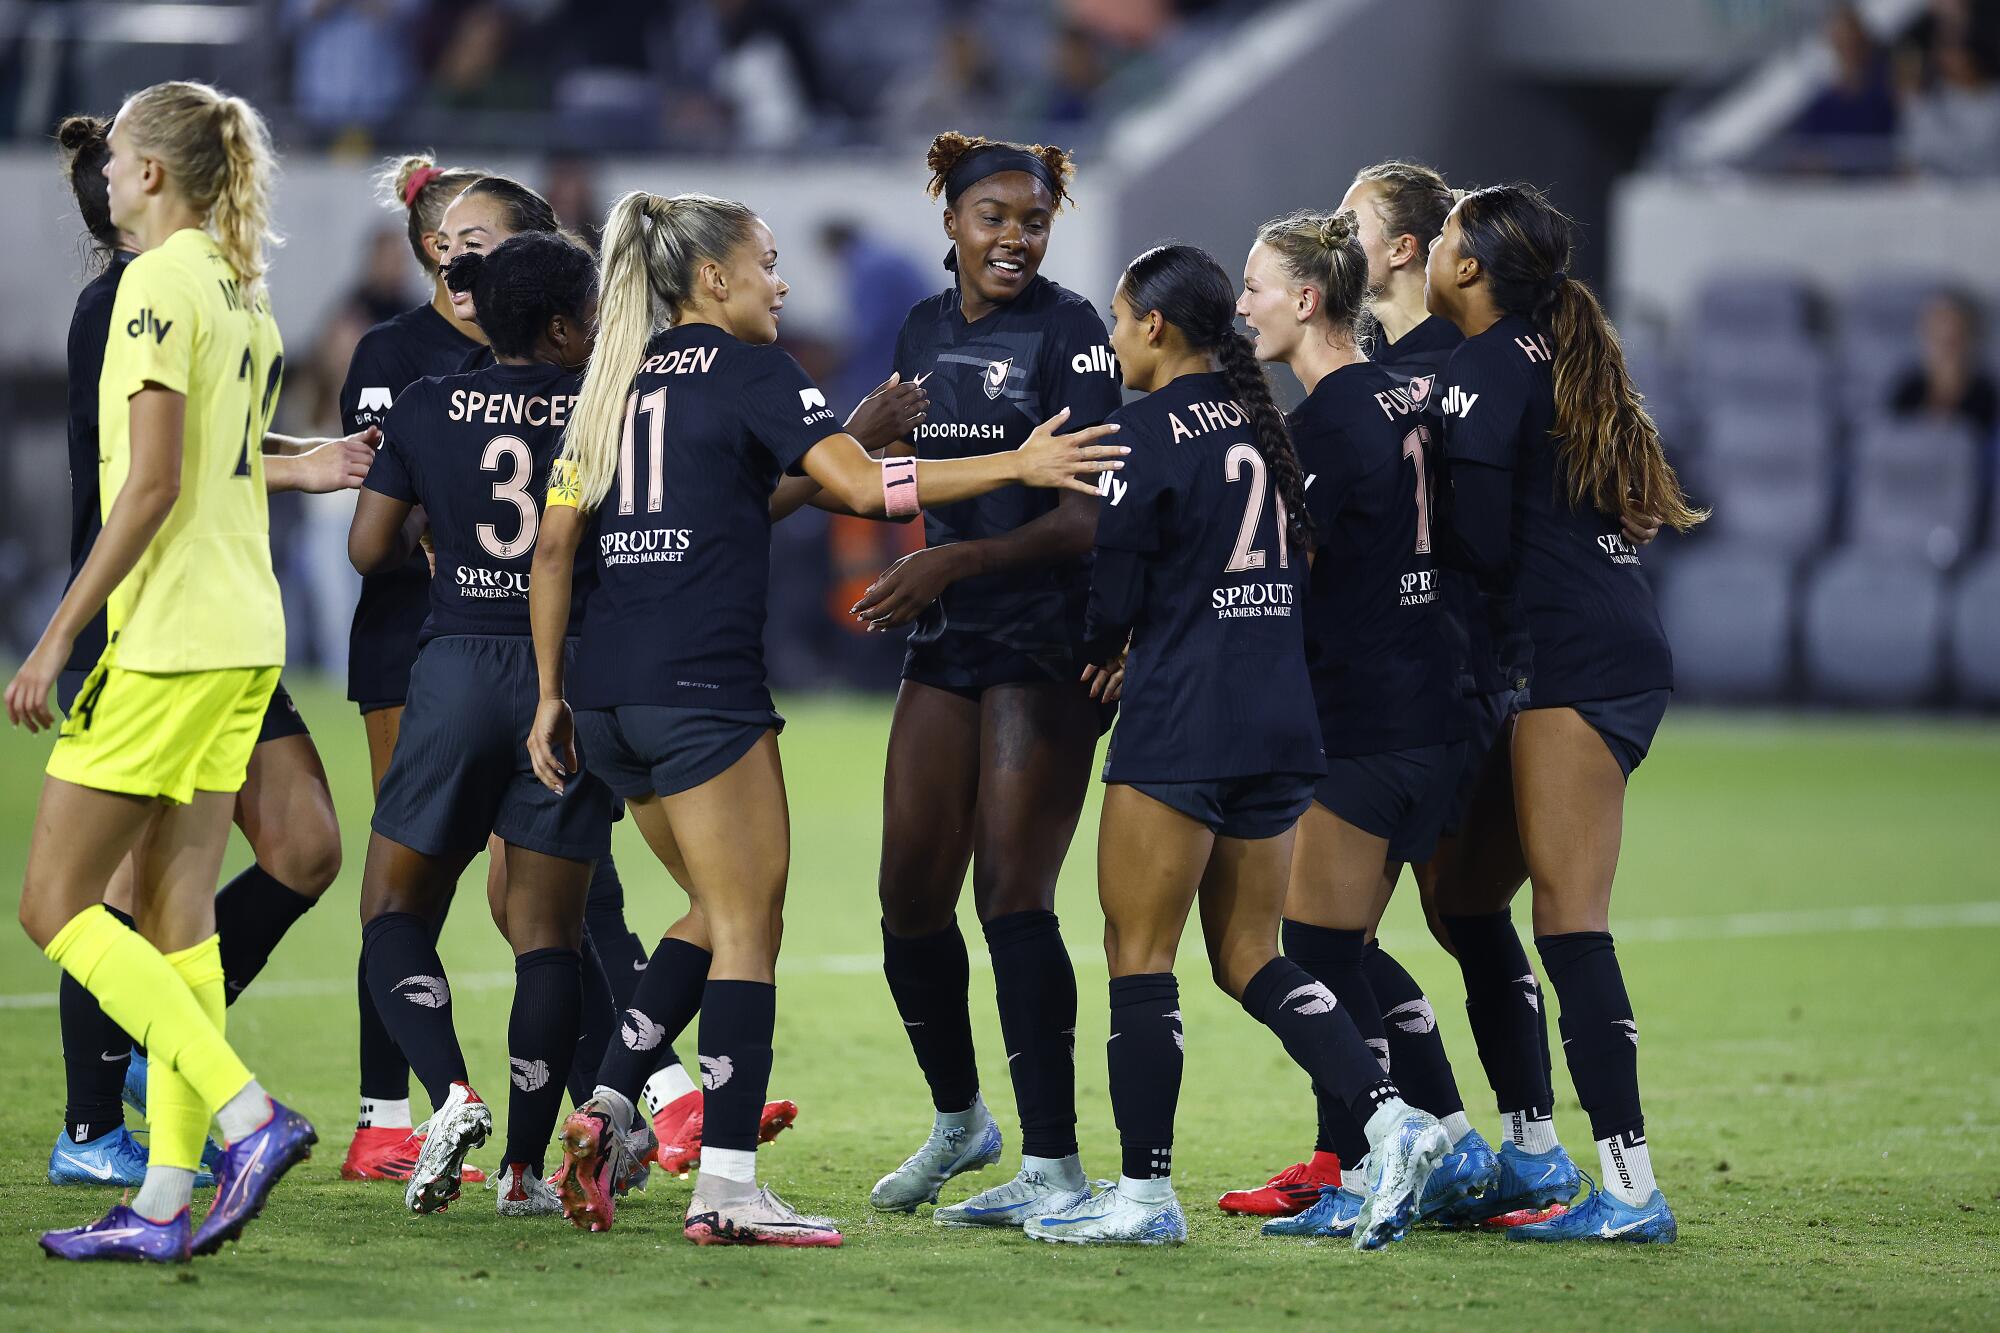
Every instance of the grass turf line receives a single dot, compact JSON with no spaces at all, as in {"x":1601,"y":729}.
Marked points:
{"x":1821,"y":1113}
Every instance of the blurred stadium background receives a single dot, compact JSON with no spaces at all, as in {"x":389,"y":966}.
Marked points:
{"x":1788,"y":203}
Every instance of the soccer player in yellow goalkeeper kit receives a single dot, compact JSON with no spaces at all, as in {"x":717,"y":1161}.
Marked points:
{"x":154,"y":749}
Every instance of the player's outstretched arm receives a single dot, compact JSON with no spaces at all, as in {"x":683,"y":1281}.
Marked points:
{"x":317,"y":467}
{"x":159,"y":420}
{"x":552,"y":736}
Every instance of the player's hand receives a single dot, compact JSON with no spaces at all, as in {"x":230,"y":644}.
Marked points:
{"x":552,"y":743}
{"x":892,"y":409}
{"x":905,"y":588}
{"x":339,"y":465}
{"x":1106,"y":682}
{"x":1054,"y":461}
{"x":1639,"y":528}
{"x":28,"y":693}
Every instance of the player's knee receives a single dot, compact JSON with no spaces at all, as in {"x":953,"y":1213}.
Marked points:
{"x":1234,"y":962}
{"x":1003,"y":894}
{"x":307,"y":859}
{"x":912,"y":906}
{"x":1129,"y":952}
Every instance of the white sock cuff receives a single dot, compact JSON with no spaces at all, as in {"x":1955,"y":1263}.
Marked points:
{"x":729,"y":1164}
{"x":381,"y":1113}
{"x":1157,"y":1190}
{"x":667,"y":1086}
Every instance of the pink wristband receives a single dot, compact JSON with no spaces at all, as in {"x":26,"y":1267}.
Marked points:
{"x":899,"y":487}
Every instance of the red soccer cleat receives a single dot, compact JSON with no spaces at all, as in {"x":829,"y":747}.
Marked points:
{"x":390,"y":1154}
{"x":1521,"y":1217}
{"x":678,"y":1127}
{"x":1291,"y":1191}
{"x":592,"y":1161}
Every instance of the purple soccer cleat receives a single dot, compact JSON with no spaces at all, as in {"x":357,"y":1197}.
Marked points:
{"x":122,"y":1236}
{"x":249,"y":1170}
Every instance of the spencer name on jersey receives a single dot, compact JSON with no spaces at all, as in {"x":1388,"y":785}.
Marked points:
{"x":1380,"y":662}
{"x":475,"y":451}
{"x":1584,"y":599}
{"x":991,"y":382}
{"x":682,"y":541}
{"x":1215,"y":681}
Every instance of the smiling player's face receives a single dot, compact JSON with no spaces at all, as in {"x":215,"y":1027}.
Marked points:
{"x":1269,"y":305}
{"x":755,"y":293}
{"x":473,"y":224}
{"x":1001,"y":228}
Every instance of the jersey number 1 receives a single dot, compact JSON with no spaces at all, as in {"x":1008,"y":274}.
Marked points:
{"x":1413,"y":449}
{"x":654,"y":407}
{"x":1247,"y":557}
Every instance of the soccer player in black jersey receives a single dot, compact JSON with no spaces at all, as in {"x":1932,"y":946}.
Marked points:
{"x":284,"y":809}
{"x":1546,"y":446}
{"x":673,"y":456}
{"x":1382,"y":677}
{"x":990,"y":748}
{"x":1197,"y":609}
{"x":473,"y":451}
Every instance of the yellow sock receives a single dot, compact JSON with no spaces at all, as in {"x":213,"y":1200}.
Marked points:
{"x":145,"y":995}
{"x":174,"y":1111}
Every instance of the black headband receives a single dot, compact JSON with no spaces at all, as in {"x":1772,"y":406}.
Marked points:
{"x":991,"y":160}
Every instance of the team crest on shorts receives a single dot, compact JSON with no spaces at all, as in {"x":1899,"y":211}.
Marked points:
{"x":996,"y":376}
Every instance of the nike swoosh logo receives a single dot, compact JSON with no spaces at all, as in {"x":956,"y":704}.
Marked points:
{"x":1608,"y":1230}
{"x":1072,"y":1221}
{"x":639,"y":965}
{"x":115,"y":1057}
{"x":921,"y":378}
{"x":1114,"y":1036}
{"x":242,"y":1181}
{"x":101,"y":1172}
{"x":1012,"y":1058}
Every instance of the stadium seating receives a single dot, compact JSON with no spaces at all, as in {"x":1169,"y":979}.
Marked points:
{"x":1874,"y":629}
{"x":1755,"y":305}
{"x":1975,"y":631}
{"x":1789,"y":373}
{"x":1728,"y":613}
{"x":1915,"y":489}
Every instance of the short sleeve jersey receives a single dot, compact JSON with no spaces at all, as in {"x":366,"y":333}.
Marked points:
{"x":1416,"y":358}
{"x":202,"y":597}
{"x":682,"y":541}
{"x":89,"y":332}
{"x":1375,"y":639}
{"x":475,"y":451}
{"x":389,"y":617}
{"x":991,"y":382}
{"x":1588,"y":609}
{"x":1215,"y":681}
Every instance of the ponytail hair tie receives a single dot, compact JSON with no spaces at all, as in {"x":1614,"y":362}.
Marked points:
{"x":1556,"y":281}
{"x":414,"y":186}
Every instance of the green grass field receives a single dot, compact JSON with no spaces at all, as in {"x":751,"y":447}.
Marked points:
{"x":1809,"y":919}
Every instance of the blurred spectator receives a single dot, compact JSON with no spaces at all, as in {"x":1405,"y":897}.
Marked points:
{"x":768,"y":74}
{"x":1076,"y":74}
{"x":472,"y":72}
{"x":961,"y":90}
{"x":571,"y":190}
{"x":386,"y":288}
{"x":879,"y":284}
{"x":1851,"y":125}
{"x":353,"y":61}
{"x":1952,"y":126}
{"x":1949,"y":383}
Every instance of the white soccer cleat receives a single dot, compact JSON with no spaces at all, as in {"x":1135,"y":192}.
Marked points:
{"x":1113,"y":1218}
{"x":948,"y":1152}
{"x":1400,"y":1164}
{"x":522,"y":1193}
{"x":726,"y":1212}
{"x":460,"y":1125}
{"x":1029,"y":1194}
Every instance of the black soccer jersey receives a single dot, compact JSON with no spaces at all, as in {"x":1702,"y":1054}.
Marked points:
{"x":1215,"y":683}
{"x":89,"y":331}
{"x":1477,"y":626}
{"x":682,"y":543}
{"x":1588,"y":609}
{"x":1381,"y":664}
{"x":475,"y":451}
{"x":390,"y":615}
{"x":991,"y":382}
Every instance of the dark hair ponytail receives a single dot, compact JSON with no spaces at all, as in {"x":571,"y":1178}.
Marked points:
{"x":84,"y":144}
{"x":526,"y":211}
{"x":1192,"y":293}
{"x":523,"y":283}
{"x":1609,"y":447}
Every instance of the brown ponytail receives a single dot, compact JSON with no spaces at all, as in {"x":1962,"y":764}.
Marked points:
{"x":1610,"y":449}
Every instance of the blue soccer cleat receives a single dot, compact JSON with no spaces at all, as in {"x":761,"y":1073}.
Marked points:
{"x":122,"y":1236}
{"x":1602,"y":1217}
{"x":1458,"y":1187}
{"x":134,"y":1090}
{"x":1528,"y":1182}
{"x":109,"y":1159}
{"x":946,"y":1152}
{"x":251,"y":1167}
{"x":1332,"y":1214}
{"x":1401,"y":1163}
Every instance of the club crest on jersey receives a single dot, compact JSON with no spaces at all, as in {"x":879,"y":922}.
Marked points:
{"x":1419,"y":389}
{"x":996,"y":376}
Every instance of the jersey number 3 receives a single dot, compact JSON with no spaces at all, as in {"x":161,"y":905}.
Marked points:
{"x":514,"y":491}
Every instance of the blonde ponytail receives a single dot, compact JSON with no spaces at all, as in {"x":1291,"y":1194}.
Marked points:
{"x":217,"y":150}
{"x":650,"y":252}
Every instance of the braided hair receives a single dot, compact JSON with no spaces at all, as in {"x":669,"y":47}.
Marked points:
{"x":1192,"y":293}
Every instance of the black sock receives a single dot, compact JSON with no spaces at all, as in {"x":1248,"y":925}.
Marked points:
{"x":96,"y":1054}
{"x":385,"y":1074}
{"x":929,"y":978}
{"x":1503,"y":1006}
{"x":737,"y":1019}
{"x":407,"y":979}
{"x":1036,"y":987}
{"x":597,"y":1018}
{"x":1145,"y":1059}
{"x":1600,"y":1040}
{"x":252,"y":913}
{"x":622,"y":952}
{"x":670,"y":992}
{"x":1333,"y":957}
{"x":541,"y":1042}
{"x":1320,"y":1035}
{"x":1416,"y":1048}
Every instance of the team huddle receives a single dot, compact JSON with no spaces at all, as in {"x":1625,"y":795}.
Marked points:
{"x":1403,"y":624}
